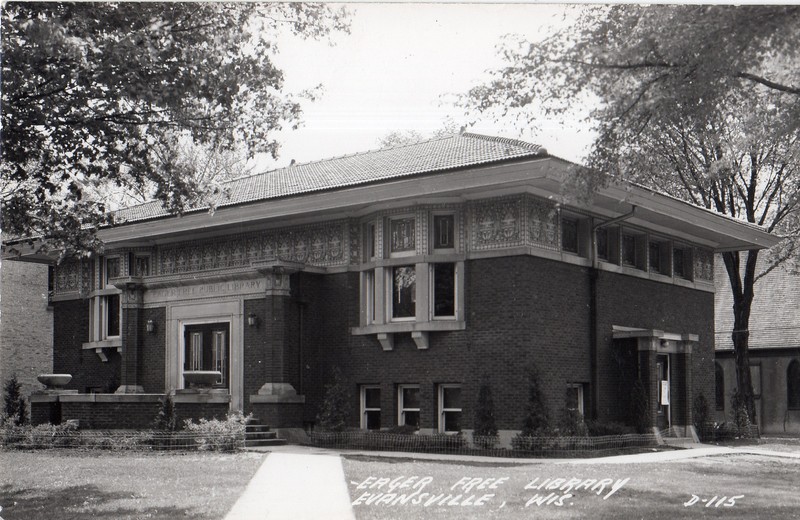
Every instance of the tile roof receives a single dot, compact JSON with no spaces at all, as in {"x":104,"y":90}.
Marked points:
{"x":444,"y":153}
{"x":775,"y":314}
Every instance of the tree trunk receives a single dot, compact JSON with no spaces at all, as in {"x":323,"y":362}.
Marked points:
{"x":742,"y":290}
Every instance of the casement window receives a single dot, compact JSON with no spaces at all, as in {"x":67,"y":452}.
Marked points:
{"x":369,"y":241}
{"x":682,"y":262}
{"x":602,"y":244}
{"x":607,"y":244}
{"x":404,"y":292}
{"x":659,"y":257}
{"x":444,"y":232}
{"x":793,"y":385}
{"x":444,"y":290}
{"x":719,"y":389}
{"x":139,"y":265}
{"x":402,"y":236}
{"x":634,"y":249}
{"x":105,"y":311}
{"x":408,"y":405}
{"x":575,"y":397}
{"x":449,"y":408}
{"x":569,"y":235}
{"x":370,"y":407}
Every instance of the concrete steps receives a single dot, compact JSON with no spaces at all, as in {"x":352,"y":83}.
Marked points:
{"x":258,"y":434}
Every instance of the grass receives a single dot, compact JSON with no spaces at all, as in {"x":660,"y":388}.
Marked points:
{"x":655,"y":490}
{"x":121,"y":485}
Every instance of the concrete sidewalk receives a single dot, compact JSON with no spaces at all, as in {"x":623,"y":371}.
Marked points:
{"x":305,"y":483}
{"x":295,"y":486}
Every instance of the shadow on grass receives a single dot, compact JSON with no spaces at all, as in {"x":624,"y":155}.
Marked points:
{"x":75,"y":503}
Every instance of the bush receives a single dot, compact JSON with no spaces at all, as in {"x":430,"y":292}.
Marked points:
{"x":741,"y":417}
{"x":484,"y":428}
{"x":641,"y":408}
{"x":216,"y":435}
{"x":536,"y":421}
{"x":15,"y":409}
{"x":335,"y":406}
{"x":572,"y":424}
{"x":167,"y":418}
{"x":45,"y":436}
{"x":700,"y":417}
{"x":602,"y":428}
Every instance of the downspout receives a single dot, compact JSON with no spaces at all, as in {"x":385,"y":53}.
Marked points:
{"x":593,"y":336}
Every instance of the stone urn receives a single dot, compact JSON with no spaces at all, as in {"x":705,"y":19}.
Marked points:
{"x":54,"y":381}
{"x":201,"y":379}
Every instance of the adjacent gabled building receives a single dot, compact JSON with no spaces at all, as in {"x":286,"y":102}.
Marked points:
{"x":774,"y":352}
{"x":417,"y":271}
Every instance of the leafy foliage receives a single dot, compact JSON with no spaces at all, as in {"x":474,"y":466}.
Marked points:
{"x":15,"y":408}
{"x":219,"y":435}
{"x":700,"y":416}
{"x":698,"y":101}
{"x":336,"y":403}
{"x":642,"y":421}
{"x":167,"y":418}
{"x":485,"y":426}
{"x":104,"y":92}
{"x":536,"y":421}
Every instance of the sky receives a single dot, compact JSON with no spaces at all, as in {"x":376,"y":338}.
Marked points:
{"x":399,"y":70}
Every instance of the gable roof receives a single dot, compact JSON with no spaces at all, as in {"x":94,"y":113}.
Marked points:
{"x":774,"y":317}
{"x":443,"y":153}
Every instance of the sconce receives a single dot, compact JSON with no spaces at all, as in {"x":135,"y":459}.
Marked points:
{"x":252,"y":320}
{"x":151,"y":326}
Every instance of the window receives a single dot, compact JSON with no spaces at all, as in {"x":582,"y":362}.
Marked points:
{"x":682,"y":262}
{"x":206,"y":347}
{"x":658,"y":254}
{"x":444,"y":290}
{"x":449,"y":408}
{"x":404,"y":292}
{"x":575,"y":397}
{"x":444,"y":232}
{"x":140,"y":265}
{"x":370,"y":407}
{"x":602,"y":244}
{"x":793,"y":385}
{"x":369,"y":241}
{"x":569,"y":235}
{"x":719,"y":391}
{"x":369,"y":288}
{"x":105,"y":312}
{"x":634,"y":250}
{"x":408,"y":405}
{"x":402,"y":232}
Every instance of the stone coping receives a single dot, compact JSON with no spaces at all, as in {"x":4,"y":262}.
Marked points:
{"x":277,"y":399}
{"x":185,"y":398}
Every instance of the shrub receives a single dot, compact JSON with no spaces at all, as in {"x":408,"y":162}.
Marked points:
{"x":484,"y":428}
{"x":403,"y":429}
{"x":700,"y":414}
{"x":536,"y":421}
{"x":741,"y":416}
{"x":335,"y":405}
{"x":45,"y":436}
{"x":601,"y":428}
{"x":15,"y":409}
{"x":216,"y":435}
{"x":572,"y":424}
{"x":167,"y":418}
{"x":641,"y":407}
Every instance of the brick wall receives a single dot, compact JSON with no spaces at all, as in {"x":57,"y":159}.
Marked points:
{"x":70,"y":331}
{"x":521,"y":312}
{"x":26,"y":324}
{"x":152,"y":351}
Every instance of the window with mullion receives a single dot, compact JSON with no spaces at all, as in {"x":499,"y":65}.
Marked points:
{"x":408,"y":405}
{"x":404,"y":289}
{"x":450,"y":408}
{"x":444,"y":290}
{"x":370,"y":407}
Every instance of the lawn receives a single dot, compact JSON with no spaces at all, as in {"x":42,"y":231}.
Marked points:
{"x":82,"y":485}
{"x":745,"y":486}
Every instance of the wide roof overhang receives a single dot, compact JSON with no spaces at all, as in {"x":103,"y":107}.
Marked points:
{"x":543,"y":177}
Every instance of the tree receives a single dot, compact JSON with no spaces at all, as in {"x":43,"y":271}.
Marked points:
{"x":698,"y":101}
{"x":336,"y":403}
{"x":15,"y":410}
{"x":91,"y":92}
{"x":485,"y":427}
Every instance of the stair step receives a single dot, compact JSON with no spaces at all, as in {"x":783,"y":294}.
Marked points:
{"x":261,"y":435}
{"x":257,"y":428}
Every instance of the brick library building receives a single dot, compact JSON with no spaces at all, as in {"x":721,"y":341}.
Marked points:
{"x":418,"y":272}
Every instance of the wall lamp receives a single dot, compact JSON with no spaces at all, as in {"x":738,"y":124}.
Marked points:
{"x":151,"y":326}
{"x":252,"y":320}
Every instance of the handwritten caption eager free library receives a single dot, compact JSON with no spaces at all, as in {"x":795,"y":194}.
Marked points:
{"x":478,"y":491}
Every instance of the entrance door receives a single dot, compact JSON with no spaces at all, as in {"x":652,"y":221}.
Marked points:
{"x":207,"y":347}
{"x":663,"y":420}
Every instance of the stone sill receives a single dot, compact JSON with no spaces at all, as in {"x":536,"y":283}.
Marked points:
{"x":188,"y":397}
{"x":410,"y":326}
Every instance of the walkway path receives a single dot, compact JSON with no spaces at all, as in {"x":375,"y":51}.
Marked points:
{"x":301,"y":483}
{"x":295,"y":486}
